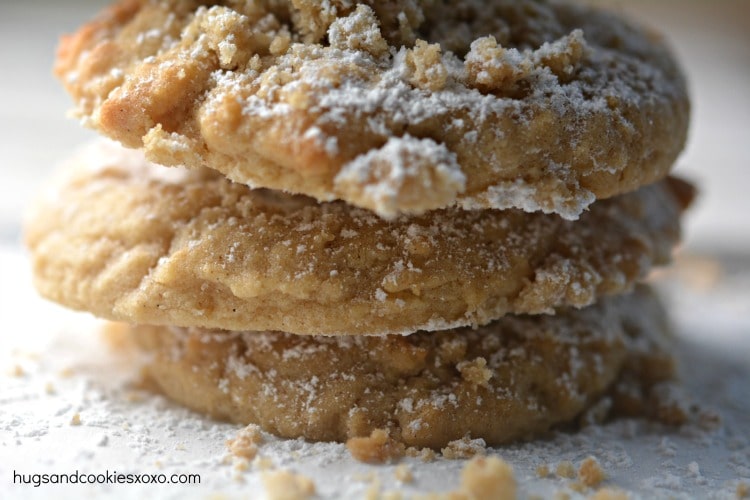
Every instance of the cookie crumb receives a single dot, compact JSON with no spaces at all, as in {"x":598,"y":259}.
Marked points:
{"x":76,"y":419}
{"x":488,"y":477}
{"x":377,"y":448}
{"x":742,"y":491}
{"x":263,"y":463}
{"x":590,"y":473}
{"x":426,"y":66}
{"x":245,"y":444}
{"x":464,"y":448}
{"x":359,"y":31}
{"x":241,"y":465}
{"x":286,"y":485}
{"x":577,"y":486}
{"x":565,"y":469}
{"x":424,"y":454}
{"x":403,"y":473}
{"x":709,"y":419}
{"x":365,"y":478}
{"x":134,"y":397}
{"x":609,"y":494}
{"x":373,"y":491}
{"x":17,"y":371}
{"x":475,"y":372}
{"x":49,"y":388}
{"x":542,"y":471}
{"x":671,"y":413}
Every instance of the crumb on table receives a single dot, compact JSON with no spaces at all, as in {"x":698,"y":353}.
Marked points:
{"x":609,"y":494}
{"x":245,"y":443}
{"x":403,"y":474}
{"x":565,"y":469}
{"x":743,"y":490}
{"x":424,"y":454}
{"x":464,"y":448}
{"x":378,"y":447}
{"x":590,"y":473}
{"x":488,"y":477}
{"x":542,"y":470}
{"x":286,"y":485}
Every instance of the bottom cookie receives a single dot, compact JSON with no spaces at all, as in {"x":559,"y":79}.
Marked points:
{"x":509,"y":380}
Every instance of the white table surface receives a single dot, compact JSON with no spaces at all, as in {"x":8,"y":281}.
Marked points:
{"x":44,"y":347}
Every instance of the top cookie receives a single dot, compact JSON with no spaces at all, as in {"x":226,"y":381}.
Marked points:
{"x":399,"y":106}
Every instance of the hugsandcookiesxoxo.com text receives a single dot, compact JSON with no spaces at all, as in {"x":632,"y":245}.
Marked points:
{"x":105,"y":477}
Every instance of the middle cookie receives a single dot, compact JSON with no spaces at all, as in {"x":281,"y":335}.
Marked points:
{"x":135,"y":242}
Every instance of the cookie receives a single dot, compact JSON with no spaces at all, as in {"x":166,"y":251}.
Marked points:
{"x":395,"y":106}
{"x":135,"y":242}
{"x":512,"y":379}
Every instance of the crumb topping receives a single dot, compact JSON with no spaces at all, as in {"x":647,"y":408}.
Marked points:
{"x":537,"y":105}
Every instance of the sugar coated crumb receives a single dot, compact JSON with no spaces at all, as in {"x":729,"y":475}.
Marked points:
{"x":488,"y":477}
{"x":566,"y":469}
{"x":464,"y":448}
{"x":610,"y":494}
{"x":590,"y":472}
{"x":286,"y":485}
{"x":245,"y":444}
{"x":403,"y":473}
{"x":377,"y":448}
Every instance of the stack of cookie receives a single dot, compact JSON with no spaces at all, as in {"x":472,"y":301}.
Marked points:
{"x":417,"y":216}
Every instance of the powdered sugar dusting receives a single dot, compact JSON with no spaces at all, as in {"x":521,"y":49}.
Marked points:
{"x":534,"y":105}
{"x":520,"y":194}
{"x":404,"y":168}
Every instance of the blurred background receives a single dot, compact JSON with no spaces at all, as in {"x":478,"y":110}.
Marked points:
{"x":712,"y":39}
